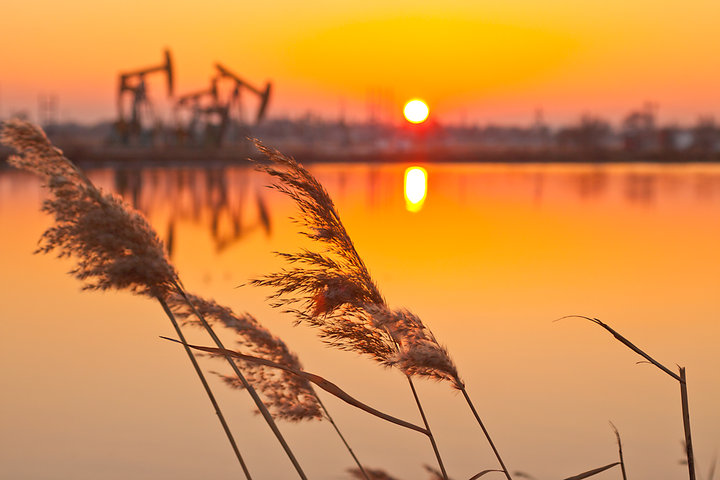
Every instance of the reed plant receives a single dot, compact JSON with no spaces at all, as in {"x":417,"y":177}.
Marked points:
{"x":680,"y":377}
{"x":288,"y":396}
{"x":332,"y":291}
{"x":114,"y":247}
{"x":620,"y":451}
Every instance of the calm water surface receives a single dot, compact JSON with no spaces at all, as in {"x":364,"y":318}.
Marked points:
{"x":490,"y":259}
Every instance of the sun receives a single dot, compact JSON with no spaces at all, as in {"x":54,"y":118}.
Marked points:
{"x":416,"y":111}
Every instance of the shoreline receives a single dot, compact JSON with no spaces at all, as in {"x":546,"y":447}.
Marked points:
{"x":94,"y":156}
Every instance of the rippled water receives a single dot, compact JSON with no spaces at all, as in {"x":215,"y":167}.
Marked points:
{"x":493,"y":255}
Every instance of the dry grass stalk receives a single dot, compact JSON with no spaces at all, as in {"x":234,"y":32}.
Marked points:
{"x":360,"y":468}
{"x":377,"y":474}
{"x":326,"y":385}
{"x":288,"y":396}
{"x":620,"y":451}
{"x":686,"y":423}
{"x":206,"y":386}
{"x":246,"y":385}
{"x":113,"y":245}
{"x":485,"y":472}
{"x":436,"y":475}
{"x":681,"y":378}
{"x":592,"y":472}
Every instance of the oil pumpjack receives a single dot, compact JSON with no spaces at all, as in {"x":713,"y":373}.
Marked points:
{"x":211,"y":113}
{"x":264,"y":95}
{"x":132,"y":84}
{"x":208,"y":112}
{"x":205,"y":109}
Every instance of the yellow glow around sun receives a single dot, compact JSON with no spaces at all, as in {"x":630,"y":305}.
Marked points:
{"x":415,"y":188}
{"x":416,"y":111}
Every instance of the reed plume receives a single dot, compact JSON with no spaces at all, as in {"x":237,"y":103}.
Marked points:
{"x":113,"y":245}
{"x":288,"y":396}
{"x":38,"y":154}
{"x":333,"y":291}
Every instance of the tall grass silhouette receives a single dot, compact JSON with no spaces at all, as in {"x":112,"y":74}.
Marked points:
{"x":113,"y":246}
{"x":332,"y":290}
{"x":680,"y":377}
{"x":287,"y":395}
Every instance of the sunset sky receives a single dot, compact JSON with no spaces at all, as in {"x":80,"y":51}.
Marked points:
{"x":472,"y":61}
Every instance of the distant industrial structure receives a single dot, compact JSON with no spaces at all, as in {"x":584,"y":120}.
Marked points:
{"x":200,"y":118}
{"x":212,"y":123}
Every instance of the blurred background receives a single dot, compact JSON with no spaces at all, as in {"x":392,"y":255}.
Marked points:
{"x":521,"y":74}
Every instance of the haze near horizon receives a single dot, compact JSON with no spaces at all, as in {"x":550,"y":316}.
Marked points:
{"x":471,"y":61}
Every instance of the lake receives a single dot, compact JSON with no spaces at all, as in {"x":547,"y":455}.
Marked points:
{"x":488,"y":256}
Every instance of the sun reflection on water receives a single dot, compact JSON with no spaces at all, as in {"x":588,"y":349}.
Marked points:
{"x":415,"y":188}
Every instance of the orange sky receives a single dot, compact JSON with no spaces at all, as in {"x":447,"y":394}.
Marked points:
{"x":481,"y":61}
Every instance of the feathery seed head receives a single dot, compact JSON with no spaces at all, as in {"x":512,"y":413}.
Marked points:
{"x":114,"y":246}
{"x":38,"y":155}
{"x":333,"y":291}
{"x":287,"y":396}
{"x":418,"y":352}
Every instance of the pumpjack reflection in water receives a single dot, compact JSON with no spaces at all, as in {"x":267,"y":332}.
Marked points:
{"x":221,"y":207}
{"x":592,"y":184}
{"x":128,"y":184}
{"x":239,"y":229}
{"x":215,"y":197}
{"x":641,"y":188}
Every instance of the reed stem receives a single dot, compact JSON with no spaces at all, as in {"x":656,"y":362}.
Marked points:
{"x":686,"y":424}
{"x":200,"y":374}
{"x":680,"y":378}
{"x":620,"y":451}
{"x":316,"y":379}
{"x":487,"y":435}
{"x":342,"y":437}
{"x":256,"y":398}
{"x":427,"y":427}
